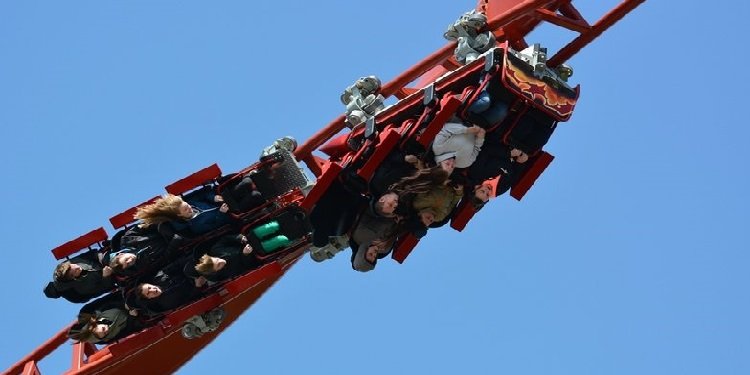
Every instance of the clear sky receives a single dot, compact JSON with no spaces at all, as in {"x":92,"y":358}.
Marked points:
{"x":629,"y":256}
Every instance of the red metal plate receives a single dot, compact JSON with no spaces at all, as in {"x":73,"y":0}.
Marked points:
{"x":404,"y":248}
{"x":82,"y":242}
{"x":126,"y":217}
{"x":527,"y":180}
{"x":194,"y":180}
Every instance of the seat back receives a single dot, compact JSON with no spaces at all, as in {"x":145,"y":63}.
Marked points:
{"x":96,"y":236}
{"x":194,"y":180}
{"x":127,"y":217}
{"x":387,"y":141}
{"x":330,"y":172}
{"x":539,"y":163}
{"x":403,"y":247}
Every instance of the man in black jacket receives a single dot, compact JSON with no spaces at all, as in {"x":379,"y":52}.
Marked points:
{"x":81,"y":278}
{"x":167,"y":290}
{"x":232,"y":255}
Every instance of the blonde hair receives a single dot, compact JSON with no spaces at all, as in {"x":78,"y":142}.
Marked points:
{"x":205,"y":265}
{"x":166,"y":208}
{"x":421,"y":182}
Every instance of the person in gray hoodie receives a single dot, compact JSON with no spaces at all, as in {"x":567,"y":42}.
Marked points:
{"x":365,"y":257}
{"x":371,"y":238}
{"x":457,"y":146}
{"x":104,"y":320}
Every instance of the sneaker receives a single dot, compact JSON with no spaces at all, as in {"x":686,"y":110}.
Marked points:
{"x":318,"y":254}
{"x":214,"y":318}
{"x":190,"y":331}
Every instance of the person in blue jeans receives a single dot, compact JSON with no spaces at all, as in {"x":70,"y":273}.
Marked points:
{"x":489,"y":112}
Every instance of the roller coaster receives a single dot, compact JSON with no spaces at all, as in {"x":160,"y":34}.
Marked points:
{"x":292,"y":179}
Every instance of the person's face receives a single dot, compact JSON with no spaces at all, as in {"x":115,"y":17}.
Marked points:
{"x":74,"y":271}
{"x":518,"y":156}
{"x":218,"y":263}
{"x":100,"y":330}
{"x":126,"y":260}
{"x":427,"y":218}
{"x":389,"y":202}
{"x":483,"y":192}
{"x":185,"y":211}
{"x":150,"y":291}
{"x":448,"y":165}
{"x":372,"y":253}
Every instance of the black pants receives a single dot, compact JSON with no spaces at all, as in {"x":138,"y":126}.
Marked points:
{"x":334,"y":214}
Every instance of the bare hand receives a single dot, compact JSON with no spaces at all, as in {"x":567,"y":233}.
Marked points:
{"x":474,"y":129}
{"x":224,"y":208}
{"x":106,"y":271}
{"x":218,"y":198}
{"x":427,"y":218}
{"x":247,"y":250}
{"x":200,"y":281}
{"x":522,"y":158}
{"x":243,"y":239}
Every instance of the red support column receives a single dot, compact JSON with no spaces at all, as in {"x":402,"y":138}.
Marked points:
{"x":521,"y":9}
{"x":31,"y":369}
{"x":42,"y":351}
{"x":599,"y":27}
{"x":79,"y":356}
{"x":568,"y":23}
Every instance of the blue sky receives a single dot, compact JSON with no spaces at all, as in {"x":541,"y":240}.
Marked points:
{"x":629,"y":256}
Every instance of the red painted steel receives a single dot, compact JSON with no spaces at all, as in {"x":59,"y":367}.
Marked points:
{"x":463,"y":215}
{"x":388,"y":140}
{"x":559,"y":20}
{"x":541,"y":162}
{"x":71,"y":247}
{"x":79,"y":356}
{"x":330,"y":173}
{"x":448,"y":107}
{"x":126,"y":217}
{"x":31,"y":369}
{"x":597,"y":29}
{"x":404,"y":248}
{"x":196,"y":179}
{"x":162,"y":347}
{"x":511,"y":19}
{"x":42,"y":351}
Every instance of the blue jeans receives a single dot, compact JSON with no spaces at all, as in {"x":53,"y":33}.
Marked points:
{"x":484,"y":108}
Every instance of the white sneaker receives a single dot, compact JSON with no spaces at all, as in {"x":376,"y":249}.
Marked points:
{"x":318,"y":254}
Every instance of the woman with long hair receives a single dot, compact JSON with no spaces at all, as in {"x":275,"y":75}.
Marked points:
{"x":428,"y":195}
{"x":167,"y":208}
{"x":201,"y":212}
{"x":103,"y":320}
{"x":422,"y":181}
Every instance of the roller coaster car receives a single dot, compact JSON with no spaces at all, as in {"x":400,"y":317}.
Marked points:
{"x":282,"y":184}
{"x":538,"y":99}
